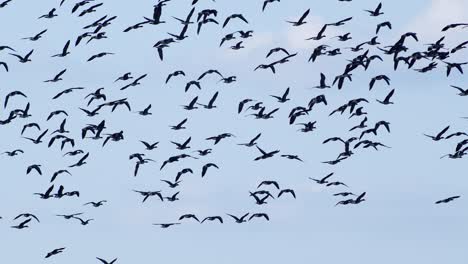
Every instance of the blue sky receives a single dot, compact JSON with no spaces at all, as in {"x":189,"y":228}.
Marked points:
{"x":398,"y":222}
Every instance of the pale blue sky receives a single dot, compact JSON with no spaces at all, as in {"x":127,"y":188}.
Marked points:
{"x":398,"y":222}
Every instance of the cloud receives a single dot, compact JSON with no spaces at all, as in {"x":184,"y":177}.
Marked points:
{"x":440,"y":13}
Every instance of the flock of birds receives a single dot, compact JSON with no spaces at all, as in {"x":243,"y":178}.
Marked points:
{"x":98,"y":100}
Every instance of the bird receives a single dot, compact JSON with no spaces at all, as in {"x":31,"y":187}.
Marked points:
{"x":447,"y":200}
{"x":206,"y":166}
{"x":24,"y":59}
{"x":182,"y":146}
{"x":36,"y":167}
{"x":107,"y":262}
{"x":174,"y":74}
{"x":278,"y":49}
{"x":39,"y":138}
{"x":23,"y":224}
{"x":284,"y":98}
{"x":241,"y":219}
{"x":322,"y":84}
{"x":265,"y":155}
{"x":172,"y":184}
{"x":96,"y":204}
{"x":287,"y":191}
{"x":99,"y":55}
{"x":66,"y":91}
{"x":463,"y":92}
{"x":37,"y":36}
{"x":378,"y":78}
{"x":167,"y":225}
{"x":383,"y":24}
{"x":259,"y":215}
{"x":149,"y":146}
{"x":80,"y":162}
{"x":376,"y":12}
{"x":57,"y":77}
{"x":11,"y":94}
{"x":5,"y":65}
{"x":455,"y":25}
{"x":212,"y":218}
{"x":70,"y":216}
{"x":188,"y":216}
{"x":274,"y":183}
{"x":50,"y":14}
{"x":387,"y":101}
{"x":27,"y":215}
{"x":301,"y":21}
{"x":65,"y":51}
{"x":266,"y":2}
{"x":292,"y":157}
{"x":239,"y":16}
{"x":440,"y":135}
{"x":210,"y":104}
{"x":252,"y":142}
{"x":54,"y":252}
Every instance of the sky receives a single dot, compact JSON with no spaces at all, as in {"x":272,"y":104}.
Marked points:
{"x":398,"y":222}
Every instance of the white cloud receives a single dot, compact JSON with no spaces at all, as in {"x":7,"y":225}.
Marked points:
{"x":429,"y":23}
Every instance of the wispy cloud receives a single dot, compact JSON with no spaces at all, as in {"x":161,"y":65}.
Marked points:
{"x":440,"y":13}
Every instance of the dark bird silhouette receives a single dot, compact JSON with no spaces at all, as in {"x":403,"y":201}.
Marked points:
{"x":387,"y":101}
{"x":23,"y":224}
{"x":265,"y":155}
{"x":447,"y":200}
{"x":206,"y":167}
{"x":376,"y":11}
{"x":47,"y":194}
{"x":148,"y":194}
{"x":210,"y":104}
{"x":378,"y":78}
{"x":25,"y":58}
{"x":301,"y":19}
{"x":323,"y":180}
{"x":239,"y":16}
{"x":64,"y":52}
{"x":96,"y":204}
{"x":35,"y":167}
{"x":440,"y":135}
{"x":287,"y":191}
{"x":37,"y":36}
{"x":54,"y":252}
{"x":182,"y":146}
{"x":266,"y":2}
{"x":51,"y":14}
{"x":11,"y":94}
{"x":383,"y":24}
{"x":274,"y":183}
{"x":99,"y":55}
{"x":239,"y":220}
{"x":252,"y":142}
{"x":167,"y":225}
{"x":188,"y":216}
{"x":66,"y":91}
{"x":259,"y":215}
{"x":284,"y":98}
{"x":107,"y":262}
{"x":213,"y":218}
{"x":39,"y":138}
{"x":174,"y":74}
{"x":452,"y":26}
